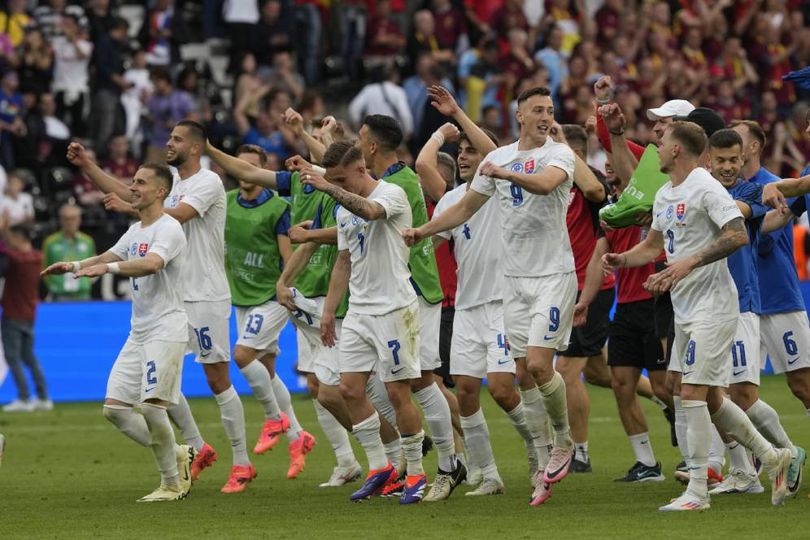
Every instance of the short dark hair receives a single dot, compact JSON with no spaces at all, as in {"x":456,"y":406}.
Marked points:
{"x":492,"y":137}
{"x":340,"y":154}
{"x":161,"y":73}
{"x":197,"y":130}
{"x":531,"y":92}
{"x":385,"y":130}
{"x":576,"y":136}
{"x":690,"y":136}
{"x":119,"y":23}
{"x":162,"y":173}
{"x":725,"y":138}
{"x":754,"y":129}
{"x":253,"y":149}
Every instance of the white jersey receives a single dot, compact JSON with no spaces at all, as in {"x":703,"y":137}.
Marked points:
{"x":380,"y":279}
{"x":205,"y":271}
{"x":690,"y":217}
{"x":535,"y":235}
{"x":157,"y":299}
{"x":478,"y":252}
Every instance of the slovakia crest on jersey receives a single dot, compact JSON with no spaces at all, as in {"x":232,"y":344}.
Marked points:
{"x":142,"y":249}
{"x":680,"y":211}
{"x":517,"y":167}
{"x":528,"y":167}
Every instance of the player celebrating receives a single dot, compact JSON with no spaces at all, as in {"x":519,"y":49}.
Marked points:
{"x":256,"y":237}
{"x":698,"y":224}
{"x":197,"y":200}
{"x":532,"y":179}
{"x":381,"y":329}
{"x":148,"y":369}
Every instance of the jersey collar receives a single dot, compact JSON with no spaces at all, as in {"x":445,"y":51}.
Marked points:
{"x":263,"y":197}
{"x":393,"y":169}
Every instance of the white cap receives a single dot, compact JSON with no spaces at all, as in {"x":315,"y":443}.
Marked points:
{"x":673,"y":107}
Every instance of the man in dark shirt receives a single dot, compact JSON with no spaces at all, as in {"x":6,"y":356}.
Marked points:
{"x":109,"y":83}
{"x":19,"y":302}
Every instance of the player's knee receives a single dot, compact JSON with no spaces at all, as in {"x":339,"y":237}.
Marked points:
{"x":398,"y":394}
{"x":503,"y":394}
{"x":622,"y":385}
{"x":243,"y":356}
{"x":660,"y":389}
{"x":351,"y":392}
{"x":799,"y":384}
{"x":542,"y":372}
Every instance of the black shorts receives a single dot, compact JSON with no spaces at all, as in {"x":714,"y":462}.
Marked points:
{"x":445,"y":339}
{"x":663,"y":310}
{"x":632,"y":340}
{"x":589,"y":339}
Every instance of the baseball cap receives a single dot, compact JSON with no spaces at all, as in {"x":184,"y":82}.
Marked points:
{"x":706,"y":118}
{"x":673,"y":107}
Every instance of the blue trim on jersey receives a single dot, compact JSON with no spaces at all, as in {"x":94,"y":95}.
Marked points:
{"x":263,"y":197}
{"x":778,"y":280}
{"x":283,"y":223}
{"x":393,"y":169}
{"x":283,"y":182}
{"x":743,"y":263}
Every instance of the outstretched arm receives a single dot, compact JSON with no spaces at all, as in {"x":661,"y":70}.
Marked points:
{"x":452,"y":217}
{"x":241,"y":169}
{"x":357,"y":205}
{"x":77,"y":155}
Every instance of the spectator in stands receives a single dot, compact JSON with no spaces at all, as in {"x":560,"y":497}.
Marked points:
{"x":17,"y":205}
{"x":108,"y":61}
{"x":100,"y":19}
{"x":273,"y":32}
{"x":423,"y":39}
{"x":134,"y":99}
{"x":240,"y":16}
{"x":555,"y":61}
{"x":47,"y":134}
{"x":15,"y":22}
{"x":385,"y":38}
{"x":451,"y":26}
{"x":383,"y":95}
{"x":165,"y":108}
{"x":49,"y":17}
{"x":68,"y":244}
{"x":36,"y":61}
{"x":12,"y":113}
{"x":308,"y":16}
{"x":480,"y":77}
{"x":428,"y":73}
{"x":72,"y":53}
{"x":284,"y":76}
{"x":161,"y":34}
{"x":118,"y":161}
{"x":20,"y":296}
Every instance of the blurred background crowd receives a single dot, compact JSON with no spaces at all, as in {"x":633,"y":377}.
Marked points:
{"x":117,"y":74}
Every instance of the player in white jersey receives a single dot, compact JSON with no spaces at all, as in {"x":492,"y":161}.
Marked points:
{"x":532,"y":179}
{"x":148,"y":369}
{"x":381,"y":330}
{"x":197,"y":200}
{"x":479,"y":346}
{"x":698,"y":225}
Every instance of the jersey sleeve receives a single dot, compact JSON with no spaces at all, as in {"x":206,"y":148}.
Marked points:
{"x":658,"y":212}
{"x":284,"y":183}
{"x":283,"y":223}
{"x":563,"y":158}
{"x":342,"y":239}
{"x":121,"y":247}
{"x":393,"y":201}
{"x":205,"y":195}
{"x":751,"y":194}
{"x":719,"y":205}
{"x":484,"y":185}
{"x":170,"y":242}
{"x":441,"y":206}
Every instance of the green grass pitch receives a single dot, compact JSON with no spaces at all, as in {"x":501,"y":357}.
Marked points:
{"x":69,"y":474}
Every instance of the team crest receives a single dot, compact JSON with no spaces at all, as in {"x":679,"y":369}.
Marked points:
{"x":517,"y":167}
{"x":142,"y":249}
{"x":528,"y":167}
{"x":680,"y":211}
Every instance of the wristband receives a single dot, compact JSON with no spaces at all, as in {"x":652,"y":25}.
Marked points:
{"x":75,"y":266}
{"x":617,"y":133}
{"x":603,"y":101}
{"x":438,"y":136}
{"x":320,"y":170}
{"x":113,"y":268}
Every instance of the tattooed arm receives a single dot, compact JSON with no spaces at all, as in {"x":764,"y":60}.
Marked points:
{"x":357,"y":205}
{"x":732,"y":237}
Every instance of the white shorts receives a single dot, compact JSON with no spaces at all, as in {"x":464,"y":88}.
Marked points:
{"x":259,"y":326}
{"x":539,"y":311}
{"x":386,"y":344}
{"x":701,"y":351}
{"x":430,"y":322}
{"x":745,"y":354}
{"x":313,"y":355}
{"x":479,"y":345}
{"x":209,"y":332}
{"x":147,"y":371}
{"x":786,"y":340}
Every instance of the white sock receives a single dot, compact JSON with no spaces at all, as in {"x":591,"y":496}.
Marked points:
{"x":336,"y":434}
{"x":285,"y":404}
{"x":699,"y":438}
{"x":412,"y":450}
{"x":581,"y":452}
{"x":517,"y":417}
{"x":739,"y":458}
{"x":437,"y":415}
{"x":128,"y":422}
{"x":180,"y":414}
{"x":537,"y":421}
{"x":259,"y":380}
{"x":680,"y":428}
{"x":233,"y":420}
{"x":554,"y":402}
{"x":163,"y":443}
{"x":642,"y":447}
{"x":378,"y":395}
{"x":717,"y":451}
{"x":367,"y":433}
{"x":393,"y":451}
{"x":476,"y":437}
{"x":731,"y":419}
{"x":766,"y":420}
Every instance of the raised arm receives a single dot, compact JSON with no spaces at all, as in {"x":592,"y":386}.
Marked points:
{"x":295,"y":122}
{"x":774,"y":194}
{"x":623,"y":160}
{"x":241,"y":169}
{"x":77,"y":155}
{"x":357,"y":205}
{"x":443,"y":101}
{"x":427,"y":161}
{"x":454,"y":216}
{"x":338,"y":284}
